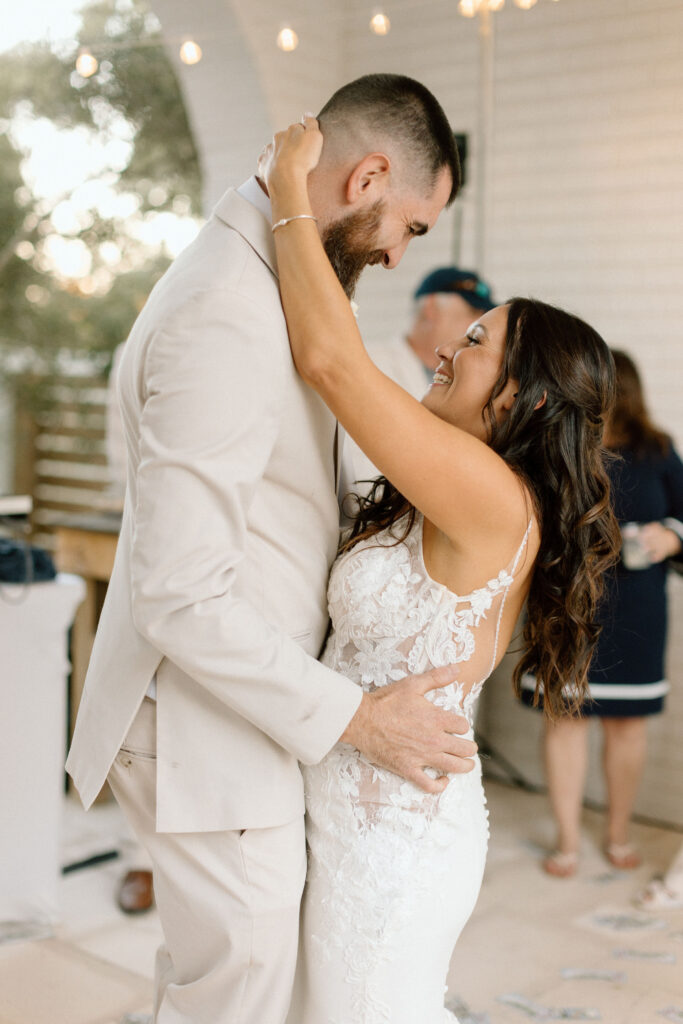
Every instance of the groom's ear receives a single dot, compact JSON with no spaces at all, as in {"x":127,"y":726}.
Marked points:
{"x":369,"y":179}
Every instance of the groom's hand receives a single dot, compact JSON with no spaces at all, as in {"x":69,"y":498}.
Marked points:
{"x":397,"y":728}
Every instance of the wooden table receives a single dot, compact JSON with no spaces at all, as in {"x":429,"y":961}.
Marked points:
{"x":85,"y":545}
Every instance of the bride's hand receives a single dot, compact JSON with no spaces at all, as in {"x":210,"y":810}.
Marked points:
{"x":291,"y":156}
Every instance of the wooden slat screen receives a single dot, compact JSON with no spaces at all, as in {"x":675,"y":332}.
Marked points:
{"x":69,"y":472}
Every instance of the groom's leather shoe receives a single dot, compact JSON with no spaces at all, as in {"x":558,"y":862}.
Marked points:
{"x":136,"y":892}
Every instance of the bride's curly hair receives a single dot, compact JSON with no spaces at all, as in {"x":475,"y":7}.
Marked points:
{"x":553,"y":439}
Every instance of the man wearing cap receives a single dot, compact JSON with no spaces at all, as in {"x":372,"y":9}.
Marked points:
{"x":447,"y":301}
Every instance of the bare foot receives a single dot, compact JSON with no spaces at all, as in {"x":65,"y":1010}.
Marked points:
{"x":623,"y":856}
{"x":561,"y":865}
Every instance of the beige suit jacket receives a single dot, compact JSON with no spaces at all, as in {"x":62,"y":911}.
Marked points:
{"x":230,"y":526}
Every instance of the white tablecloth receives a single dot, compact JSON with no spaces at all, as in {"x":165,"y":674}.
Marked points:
{"x":34,"y":622}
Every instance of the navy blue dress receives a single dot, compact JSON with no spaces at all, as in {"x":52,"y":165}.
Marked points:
{"x":627,"y":676}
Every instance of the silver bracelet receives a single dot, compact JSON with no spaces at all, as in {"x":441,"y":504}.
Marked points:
{"x":298,"y":216}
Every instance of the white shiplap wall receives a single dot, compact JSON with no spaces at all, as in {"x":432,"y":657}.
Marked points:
{"x":586,"y":202}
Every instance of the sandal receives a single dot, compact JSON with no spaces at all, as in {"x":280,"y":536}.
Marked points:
{"x":561,"y":865}
{"x":658,"y":896}
{"x":623,"y":856}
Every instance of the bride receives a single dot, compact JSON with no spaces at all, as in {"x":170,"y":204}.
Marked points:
{"x":493,"y":494}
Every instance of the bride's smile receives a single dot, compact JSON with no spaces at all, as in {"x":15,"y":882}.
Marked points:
{"x":468,"y":373}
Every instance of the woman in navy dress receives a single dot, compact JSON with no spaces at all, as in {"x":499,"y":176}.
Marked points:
{"x":627,"y":676}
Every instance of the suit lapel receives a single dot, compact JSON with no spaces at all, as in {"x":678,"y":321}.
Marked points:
{"x":241,"y":215}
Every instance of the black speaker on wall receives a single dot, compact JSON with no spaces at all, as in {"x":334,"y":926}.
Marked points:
{"x":461,"y":145}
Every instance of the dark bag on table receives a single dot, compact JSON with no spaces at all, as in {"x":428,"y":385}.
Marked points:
{"x":24,"y":563}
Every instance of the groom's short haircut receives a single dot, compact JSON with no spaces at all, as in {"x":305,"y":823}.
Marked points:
{"x":400,"y":109}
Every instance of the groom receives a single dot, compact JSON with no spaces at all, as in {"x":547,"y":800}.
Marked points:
{"x":203,"y":690}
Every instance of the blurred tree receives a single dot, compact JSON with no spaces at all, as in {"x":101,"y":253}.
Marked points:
{"x":112,"y":223}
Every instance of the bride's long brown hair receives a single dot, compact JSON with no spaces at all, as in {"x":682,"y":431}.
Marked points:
{"x":557,"y":450}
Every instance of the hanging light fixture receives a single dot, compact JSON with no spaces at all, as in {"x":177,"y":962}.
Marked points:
{"x":471,"y":8}
{"x":190,"y":52}
{"x":287,"y":39}
{"x":468,"y":8}
{"x":86,"y":64}
{"x":380,"y":24}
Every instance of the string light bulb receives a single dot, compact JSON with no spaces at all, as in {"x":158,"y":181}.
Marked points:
{"x":468,"y":8}
{"x":190,"y":52}
{"x":380,"y":24}
{"x":471,"y":8}
{"x":86,"y":64}
{"x":287,"y":39}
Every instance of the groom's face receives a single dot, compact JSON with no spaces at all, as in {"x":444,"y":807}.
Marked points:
{"x":380,"y":231}
{"x":351,"y":244}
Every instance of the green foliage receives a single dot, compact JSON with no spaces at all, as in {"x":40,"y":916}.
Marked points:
{"x":134,"y":96}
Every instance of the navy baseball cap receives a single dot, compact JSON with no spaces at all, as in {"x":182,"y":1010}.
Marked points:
{"x":453,"y":281}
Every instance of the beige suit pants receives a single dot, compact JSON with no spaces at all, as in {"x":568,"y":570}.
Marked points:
{"x":228,"y":903}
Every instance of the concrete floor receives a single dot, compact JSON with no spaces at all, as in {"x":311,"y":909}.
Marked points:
{"x":97,"y":966}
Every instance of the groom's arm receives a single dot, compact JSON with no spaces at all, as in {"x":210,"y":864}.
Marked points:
{"x":213,"y":399}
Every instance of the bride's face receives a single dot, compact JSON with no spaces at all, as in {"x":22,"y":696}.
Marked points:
{"x":468,"y":370}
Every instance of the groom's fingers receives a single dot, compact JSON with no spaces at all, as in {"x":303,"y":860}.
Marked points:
{"x":447,"y":762}
{"x":458,"y":747}
{"x":456,"y":763}
{"x":427,"y":783}
{"x":451,"y":721}
{"x":435,"y":678}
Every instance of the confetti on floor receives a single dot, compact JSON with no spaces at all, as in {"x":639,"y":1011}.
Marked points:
{"x":534,"y":1011}
{"x":593,"y":974}
{"x":652,"y":956}
{"x":616,"y":919}
{"x":464,"y":1014}
{"x":673,"y":1014}
{"x":605,"y":878}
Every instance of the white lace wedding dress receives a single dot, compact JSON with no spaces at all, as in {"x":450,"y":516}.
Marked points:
{"x":394,"y":873}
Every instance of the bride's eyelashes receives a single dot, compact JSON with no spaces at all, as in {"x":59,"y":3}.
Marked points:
{"x":472,"y":339}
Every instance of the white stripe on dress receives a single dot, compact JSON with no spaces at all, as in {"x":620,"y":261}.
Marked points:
{"x":612,"y":691}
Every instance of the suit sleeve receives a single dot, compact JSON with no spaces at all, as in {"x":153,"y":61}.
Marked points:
{"x":209,"y":422}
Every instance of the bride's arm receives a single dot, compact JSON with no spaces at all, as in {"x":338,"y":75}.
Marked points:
{"x":457,"y":481}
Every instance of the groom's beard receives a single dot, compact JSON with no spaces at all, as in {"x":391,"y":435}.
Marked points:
{"x":348,"y":244}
